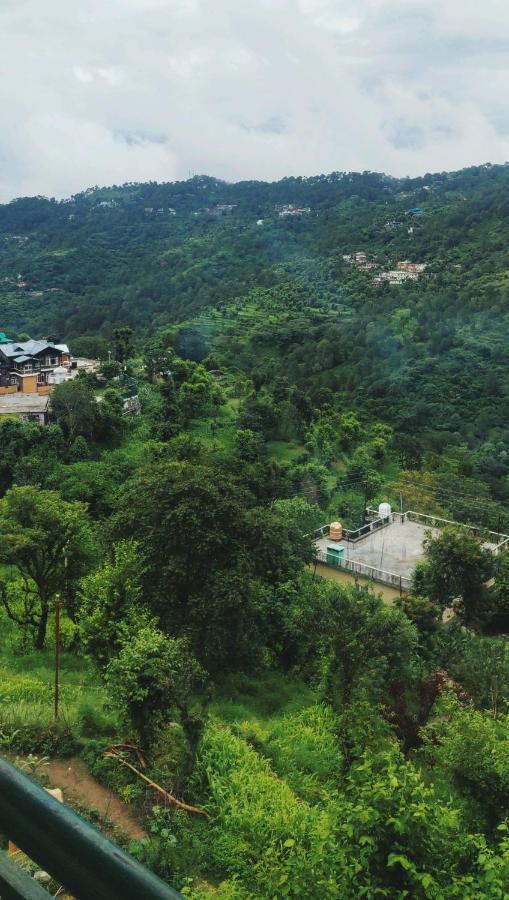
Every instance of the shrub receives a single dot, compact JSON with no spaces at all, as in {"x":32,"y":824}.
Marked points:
{"x":303,"y":749}
{"x":264,"y":834}
{"x":95,"y":722}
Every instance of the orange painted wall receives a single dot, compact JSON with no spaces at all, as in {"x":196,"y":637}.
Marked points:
{"x":29,"y":384}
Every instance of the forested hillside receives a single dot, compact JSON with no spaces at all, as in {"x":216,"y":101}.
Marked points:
{"x":427,"y":356}
{"x":300,"y":351}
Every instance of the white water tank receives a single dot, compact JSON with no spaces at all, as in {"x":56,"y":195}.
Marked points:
{"x":58,"y":375}
{"x":384,"y":510}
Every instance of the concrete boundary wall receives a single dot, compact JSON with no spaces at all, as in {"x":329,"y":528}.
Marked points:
{"x":400,"y":582}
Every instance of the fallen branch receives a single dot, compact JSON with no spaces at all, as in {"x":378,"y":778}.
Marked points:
{"x":134,"y":749}
{"x":156,"y":787}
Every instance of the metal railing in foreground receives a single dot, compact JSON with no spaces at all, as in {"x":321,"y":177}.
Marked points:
{"x":74,"y":853}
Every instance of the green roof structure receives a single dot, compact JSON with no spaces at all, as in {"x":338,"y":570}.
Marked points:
{"x":4,"y":339}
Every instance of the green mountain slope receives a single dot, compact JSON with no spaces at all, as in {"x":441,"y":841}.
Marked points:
{"x":428,"y":356}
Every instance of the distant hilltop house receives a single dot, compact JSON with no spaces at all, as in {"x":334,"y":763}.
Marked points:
{"x":360,"y":261}
{"x":161,"y":211}
{"x":413,"y":268}
{"x":32,"y":367}
{"x":221,"y":209}
{"x":285,"y":210}
{"x":404,"y":271}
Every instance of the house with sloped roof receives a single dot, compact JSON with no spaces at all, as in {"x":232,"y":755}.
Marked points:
{"x":28,"y":366}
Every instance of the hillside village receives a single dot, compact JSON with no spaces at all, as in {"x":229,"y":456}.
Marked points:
{"x":404,"y":271}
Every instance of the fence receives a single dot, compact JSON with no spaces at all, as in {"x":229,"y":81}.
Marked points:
{"x":89,"y":865}
{"x":500,"y":541}
{"x":493,"y":537}
{"x":400,"y":582}
{"x":358,"y":533}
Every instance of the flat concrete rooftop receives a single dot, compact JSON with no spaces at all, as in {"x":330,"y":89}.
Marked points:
{"x":397,"y":548}
{"x":15,"y":404}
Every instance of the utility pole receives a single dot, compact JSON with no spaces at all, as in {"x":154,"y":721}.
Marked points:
{"x":365,"y":503}
{"x":57,"y":638}
{"x":57,"y":652}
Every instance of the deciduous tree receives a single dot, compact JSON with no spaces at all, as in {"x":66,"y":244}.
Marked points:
{"x":48,"y":543}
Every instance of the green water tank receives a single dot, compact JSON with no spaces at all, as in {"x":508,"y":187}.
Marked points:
{"x":335,"y":555}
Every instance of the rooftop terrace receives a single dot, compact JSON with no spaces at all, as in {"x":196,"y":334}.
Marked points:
{"x":387,"y":550}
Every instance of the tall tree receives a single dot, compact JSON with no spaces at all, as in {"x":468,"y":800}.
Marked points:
{"x":207,"y":553}
{"x":456,"y":565}
{"x":74,"y":406}
{"x":48,"y":542}
{"x":122,"y":338}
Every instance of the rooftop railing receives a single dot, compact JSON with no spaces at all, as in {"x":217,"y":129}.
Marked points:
{"x":400,"y":582}
{"x":86,"y":863}
{"x":500,"y":541}
{"x":357,"y":534}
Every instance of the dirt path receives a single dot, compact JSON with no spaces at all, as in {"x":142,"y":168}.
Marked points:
{"x":75,"y":780}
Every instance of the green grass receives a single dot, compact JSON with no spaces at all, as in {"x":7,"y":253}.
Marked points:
{"x":220,"y":428}
{"x":27,"y":698}
{"x":284,"y":451}
{"x":244,"y":697}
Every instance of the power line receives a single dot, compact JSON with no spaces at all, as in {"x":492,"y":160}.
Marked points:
{"x":448,"y":495}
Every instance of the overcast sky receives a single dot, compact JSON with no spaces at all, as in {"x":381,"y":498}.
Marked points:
{"x":107,"y":91}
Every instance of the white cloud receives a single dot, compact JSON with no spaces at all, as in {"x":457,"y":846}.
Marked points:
{"x":97,"y":92}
